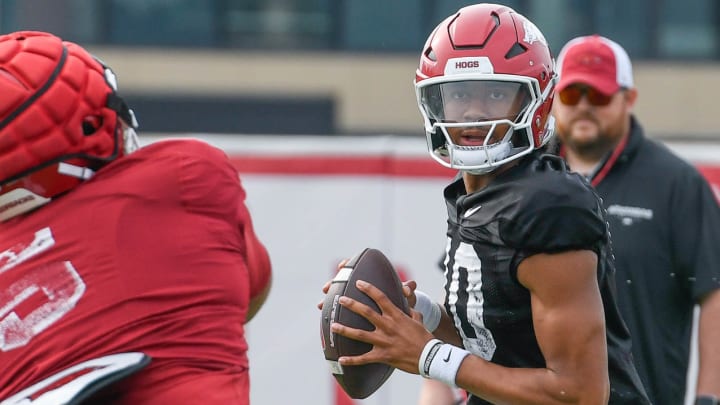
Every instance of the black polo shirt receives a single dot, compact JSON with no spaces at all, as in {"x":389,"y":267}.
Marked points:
{"x":665,"y":230}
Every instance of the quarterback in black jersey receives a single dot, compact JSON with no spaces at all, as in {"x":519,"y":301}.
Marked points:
{"x":529,"y":315}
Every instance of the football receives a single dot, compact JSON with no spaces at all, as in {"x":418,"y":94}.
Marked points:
{"x":372,"y":266}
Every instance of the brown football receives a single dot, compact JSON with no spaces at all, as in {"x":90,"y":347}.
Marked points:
{"x":372,"y":266}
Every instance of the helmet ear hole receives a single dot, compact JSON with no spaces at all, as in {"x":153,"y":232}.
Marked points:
{"x":520,"y":138}
{"x":91,"y":124}
{"x":438,"y":139}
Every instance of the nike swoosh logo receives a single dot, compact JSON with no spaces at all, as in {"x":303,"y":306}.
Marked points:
{"x":446,"y":359}
{"x":472,"y":211}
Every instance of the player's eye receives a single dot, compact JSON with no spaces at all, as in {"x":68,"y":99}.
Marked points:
{"x":497,"y":95}
{"x":460,"y":95}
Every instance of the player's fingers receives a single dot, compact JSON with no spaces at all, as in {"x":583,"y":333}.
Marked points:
{"x":375,"y":355}
{"x":342,"y":263}
{"x":416,"y":315}
{"x":326,"y":287}
{"x":386,"y":306}
{"x":356,"y":360}
{"x":352,"y":333}
{"x":366,"y":358}
{"x":410,"y":285}
{"x":409,"y":288}
{"x":359,"y":335}
{"x":360,"y":309}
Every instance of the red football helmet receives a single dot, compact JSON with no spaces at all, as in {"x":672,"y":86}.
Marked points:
{"x":485,"y":88}
{"x":60,"y":119}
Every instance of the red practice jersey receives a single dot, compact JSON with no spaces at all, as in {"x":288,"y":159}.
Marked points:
{"x":149,"y":255}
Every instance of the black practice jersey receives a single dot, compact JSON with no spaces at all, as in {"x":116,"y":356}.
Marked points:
{"x":535,"y":207}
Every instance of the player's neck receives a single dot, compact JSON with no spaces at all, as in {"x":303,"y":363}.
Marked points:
{"x":476,"y":182}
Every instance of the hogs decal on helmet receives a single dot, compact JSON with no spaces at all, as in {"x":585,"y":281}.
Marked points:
{"x":60,"y":119}
{"x":485,"y":88}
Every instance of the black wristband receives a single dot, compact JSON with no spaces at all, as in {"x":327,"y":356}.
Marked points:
{"x":706,"y":400}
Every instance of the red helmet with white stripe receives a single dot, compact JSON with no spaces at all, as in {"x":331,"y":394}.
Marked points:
{"x":485,"y":88}
{"x":60,"y":119}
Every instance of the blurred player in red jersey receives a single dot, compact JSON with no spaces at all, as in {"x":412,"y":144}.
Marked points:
{"x":104,"y":251}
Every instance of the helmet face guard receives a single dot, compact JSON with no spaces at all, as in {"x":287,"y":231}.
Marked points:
{"x":60,"y":109}
{"x":492,"y":115}
{"x":485,"y":88}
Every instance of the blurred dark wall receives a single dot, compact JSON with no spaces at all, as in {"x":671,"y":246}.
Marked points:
{"x":224,"y":114}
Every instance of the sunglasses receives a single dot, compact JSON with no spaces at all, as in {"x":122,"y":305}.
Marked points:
{"x":571,"y":95}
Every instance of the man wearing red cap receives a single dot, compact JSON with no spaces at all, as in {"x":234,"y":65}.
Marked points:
{"x":664,"y":219}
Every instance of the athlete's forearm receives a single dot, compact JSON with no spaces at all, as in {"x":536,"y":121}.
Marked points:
{"x":538,"y":386}
{"x":446,"y":330}
{"x":709,"y":351}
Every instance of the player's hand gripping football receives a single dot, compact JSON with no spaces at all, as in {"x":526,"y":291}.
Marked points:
{"x":409,"y":288}
{"x":398,"y":339}
{"x":393,"y":343}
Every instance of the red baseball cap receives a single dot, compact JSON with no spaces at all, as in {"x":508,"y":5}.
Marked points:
{"x":594,"y":61}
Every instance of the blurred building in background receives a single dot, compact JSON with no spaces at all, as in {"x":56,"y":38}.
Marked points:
{"x":346,"y":66}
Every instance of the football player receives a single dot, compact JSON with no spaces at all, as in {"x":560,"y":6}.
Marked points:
{"x":529,"y":315}
{"x":115,"y":256}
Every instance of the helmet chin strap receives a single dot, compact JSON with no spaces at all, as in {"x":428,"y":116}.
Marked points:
{"x":31,"y":191}
{"x":480,"y":155}
{"x":19,"y":201}
{"x":130,"y":140}
{"x":75,"y":171}
{"x":493,"y":153}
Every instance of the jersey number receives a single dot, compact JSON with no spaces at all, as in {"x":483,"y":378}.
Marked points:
{"x":40,"y":297}
{"x":466,"y":301}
